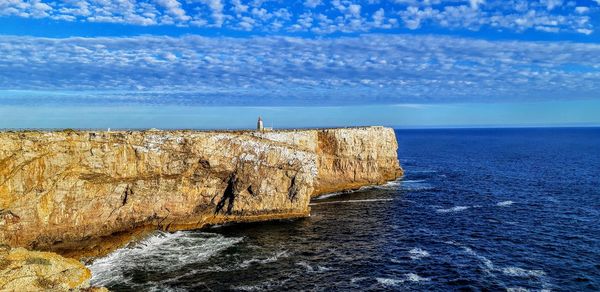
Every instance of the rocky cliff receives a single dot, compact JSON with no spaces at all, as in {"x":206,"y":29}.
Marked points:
{"x":90,"y":191}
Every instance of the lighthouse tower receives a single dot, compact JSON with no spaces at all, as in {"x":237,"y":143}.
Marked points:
{"x":259,"y":125}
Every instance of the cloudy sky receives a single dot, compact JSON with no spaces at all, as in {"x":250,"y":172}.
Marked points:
{"x":201,"y":63}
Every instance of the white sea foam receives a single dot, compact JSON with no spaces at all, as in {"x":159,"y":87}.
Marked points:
{"x":311,"y":269}
{"x":417,"y":253}
{"x":488,"y":264}
{"x":417,"y":187}
{"x":390,"y":282}
{"x":358,"y":279}
{"x":407,"y":185}
{"x":330,"y":195}
{"x":505,"y":203}
{"x":523,"y":273}
{"x":352,"y":201}
{"x":489,"y":267}
{"x":410,"y":277}
{"x":517,"y":289}
{"x":159,"y":251}
{"x":453,"y":209}
{"x":268,"y":285}
{"x":415,"y":278}
{"x":271,"y":259}
{"x":412,"y":181}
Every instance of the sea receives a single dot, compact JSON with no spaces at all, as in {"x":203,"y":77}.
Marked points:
{"x":477,"y":210}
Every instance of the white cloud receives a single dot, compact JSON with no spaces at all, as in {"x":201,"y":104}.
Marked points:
{"x":373,"y":68}
{"x":476,"y":3}
{"x":216,"y":6}
{"x":354,"y":9}
{"x":238,"y":7}
{"x":379,"y":17}
{"x":173,"y":7}
{"x":551,"y":4}
{"x":350,"y":16}
{"x":315,"y":3}
{"x":582,"y":9}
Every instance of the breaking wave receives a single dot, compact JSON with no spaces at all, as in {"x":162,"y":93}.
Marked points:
{"x":489,"y":267}
{"x":313,"y":269}
{"x":523,"y":273}
{"x":453,"y":209}
{"x":410,"y":277}
{"x":271,"y":259}
{"x":417,"y":253}
{"x":505,"y":203}
{"x":161,"y":251}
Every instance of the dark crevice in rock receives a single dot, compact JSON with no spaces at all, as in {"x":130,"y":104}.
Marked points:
{"x":204,"y":163}
{"x":250,"y":190}
{"x":160,"y":223}
{"x":228,"y":195}
{"x":128,"y":192}
{"x":293,"y":189}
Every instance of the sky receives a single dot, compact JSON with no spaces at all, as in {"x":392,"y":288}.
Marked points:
{"x":300,"y":63}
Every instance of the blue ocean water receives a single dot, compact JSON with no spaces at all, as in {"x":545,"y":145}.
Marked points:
{"x":478,"y":209}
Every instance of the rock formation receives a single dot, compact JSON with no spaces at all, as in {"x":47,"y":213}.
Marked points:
{"x":23,"y":270}
{"x":77,"y":190}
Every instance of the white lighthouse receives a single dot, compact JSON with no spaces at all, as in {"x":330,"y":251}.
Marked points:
{"x":259,"y":125}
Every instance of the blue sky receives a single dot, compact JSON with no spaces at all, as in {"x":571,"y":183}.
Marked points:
{"x":185,"y":63}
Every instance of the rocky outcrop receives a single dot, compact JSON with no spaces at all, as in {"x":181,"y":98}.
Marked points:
{"x":23,"y":270}
{"x":91,"y":191}
{"x":347,"y":158}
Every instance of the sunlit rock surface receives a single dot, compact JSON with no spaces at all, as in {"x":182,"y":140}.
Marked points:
{"x":23,"y":270}
{"x":93,"y":191}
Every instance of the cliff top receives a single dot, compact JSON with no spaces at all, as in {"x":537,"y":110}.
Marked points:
{"x":241,"y":131}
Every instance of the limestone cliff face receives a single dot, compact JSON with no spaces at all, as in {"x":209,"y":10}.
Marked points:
{"x":346,"y":158}
{"x":59,"y":188}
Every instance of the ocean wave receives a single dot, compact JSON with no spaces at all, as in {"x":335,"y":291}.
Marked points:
{"x":489,"y":267}
{"x":269,"y":284}
{"x":358,"y":279}
{"x":389,"y":281}
{"x":330,"y":195}
{"x":505,"y":203}
{"x":487,"y":263}
{"x":417,"y":253}
{"x":406,"y":185}
{"x":161,"y":251}
{"x":523,"y":273}
{"x":517,"y":289}
{"x":352,"y":201}
{"x":453,"y":209}
{"x":462,"y":208}
{"x":410,"y":277}
{"x":311,"y":269}
{"x":271,"y":259}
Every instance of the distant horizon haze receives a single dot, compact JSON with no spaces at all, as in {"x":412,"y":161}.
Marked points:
{"x":583,"y":113}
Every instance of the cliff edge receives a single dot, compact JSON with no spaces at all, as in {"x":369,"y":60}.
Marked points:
{"x":91,"y":191}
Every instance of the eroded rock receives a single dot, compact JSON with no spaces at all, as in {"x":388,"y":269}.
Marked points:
{"x":23,"y":270}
